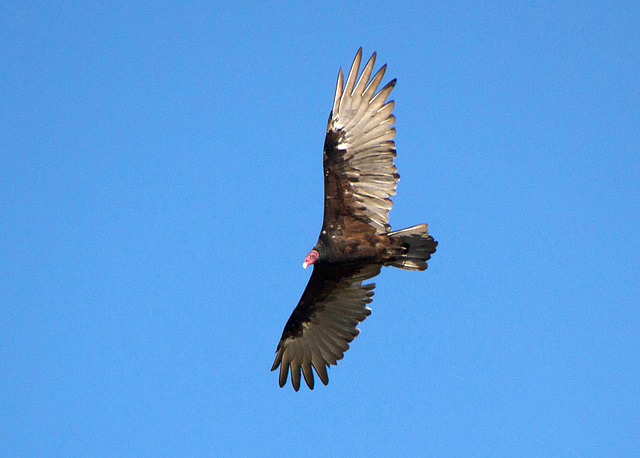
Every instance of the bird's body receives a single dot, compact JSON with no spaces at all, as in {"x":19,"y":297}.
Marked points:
{"x":356,"y":239}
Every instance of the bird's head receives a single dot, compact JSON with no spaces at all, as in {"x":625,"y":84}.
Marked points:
{"x":310,"y":259}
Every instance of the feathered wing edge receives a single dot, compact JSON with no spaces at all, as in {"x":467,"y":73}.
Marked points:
{"x":360,"y":147}
{"x":319,"y":331}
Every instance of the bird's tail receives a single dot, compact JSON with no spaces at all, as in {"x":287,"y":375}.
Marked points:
{"x":418,"y":247}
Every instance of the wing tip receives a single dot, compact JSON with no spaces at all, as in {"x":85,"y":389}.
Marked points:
{"x":278,"y":359}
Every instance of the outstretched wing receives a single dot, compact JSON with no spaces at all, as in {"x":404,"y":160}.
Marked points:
{"x":360,"y":176}
{"x":323,"y":323}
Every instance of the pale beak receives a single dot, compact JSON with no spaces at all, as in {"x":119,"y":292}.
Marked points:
{"x":304,"y":265}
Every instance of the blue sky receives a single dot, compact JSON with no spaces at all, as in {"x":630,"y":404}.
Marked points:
{"x":161,"y":185}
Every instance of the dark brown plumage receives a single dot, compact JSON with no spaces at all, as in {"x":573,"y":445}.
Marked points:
{"x":356,"y":239}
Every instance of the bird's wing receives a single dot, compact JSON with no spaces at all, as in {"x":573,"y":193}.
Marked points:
{"x":323,"y":323}
{"x":359,"y":174}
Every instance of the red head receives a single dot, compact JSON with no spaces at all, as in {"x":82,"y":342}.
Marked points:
{"x":310,"y":259}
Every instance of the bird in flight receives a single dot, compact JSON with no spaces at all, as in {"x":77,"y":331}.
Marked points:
{"x":356,"y":240}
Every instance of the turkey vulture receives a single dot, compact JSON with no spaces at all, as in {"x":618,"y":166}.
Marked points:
{"x":356,"y":239}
